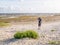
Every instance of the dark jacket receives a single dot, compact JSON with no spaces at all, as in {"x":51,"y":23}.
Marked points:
{"x":39,"y":21}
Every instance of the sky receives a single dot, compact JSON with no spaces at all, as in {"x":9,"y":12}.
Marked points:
{"x":29,"y":6}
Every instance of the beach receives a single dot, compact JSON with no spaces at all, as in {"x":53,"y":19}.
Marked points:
{"x":24,"y":23}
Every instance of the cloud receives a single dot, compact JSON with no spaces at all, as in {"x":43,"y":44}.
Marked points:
{"x":21,"y":0}
{"x":27,"y":6}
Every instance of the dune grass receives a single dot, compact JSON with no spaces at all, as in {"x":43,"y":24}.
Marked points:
{"x":26,"y":34}
{"x":54,"y":42}
{"x":3,"y":24}
{"x":53,"y":30}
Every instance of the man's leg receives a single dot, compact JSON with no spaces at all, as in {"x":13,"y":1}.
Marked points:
{"x":39,"y":26}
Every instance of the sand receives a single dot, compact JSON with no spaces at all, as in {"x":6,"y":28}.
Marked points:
{"x":6,"y":34}
{"x":45,"y":33}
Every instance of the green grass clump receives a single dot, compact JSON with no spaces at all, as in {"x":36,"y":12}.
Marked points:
{"x":26,"y":34}
{"x":31,"y":34}
{"x":53,"y":30}
{"x":54,"y":42}
{"x":3,"y":24}
{"x":18,"y":35}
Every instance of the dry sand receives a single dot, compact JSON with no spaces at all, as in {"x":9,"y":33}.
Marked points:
{"x":45,"y":33}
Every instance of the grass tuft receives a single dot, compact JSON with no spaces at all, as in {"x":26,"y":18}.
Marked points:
{"x":53,"y":30}
{"x":54,"y":42}
{"x":26,"y":34}
{"x":3,"y":24}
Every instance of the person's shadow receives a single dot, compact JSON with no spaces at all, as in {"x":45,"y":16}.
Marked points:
{"x":7,"y":41}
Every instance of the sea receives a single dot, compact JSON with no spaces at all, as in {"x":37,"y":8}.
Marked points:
{"x":27,"y":14}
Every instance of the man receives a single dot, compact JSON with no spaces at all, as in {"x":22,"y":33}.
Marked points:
{"x":39,"y":22}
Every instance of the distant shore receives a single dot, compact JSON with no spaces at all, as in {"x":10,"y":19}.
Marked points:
{"x":51,"y":18}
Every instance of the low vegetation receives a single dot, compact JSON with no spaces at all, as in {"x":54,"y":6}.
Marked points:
{"x":53,"y":30}
{"x":3,"y":24}
{"x":54,"y":42}
{"x":26,"y":34}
